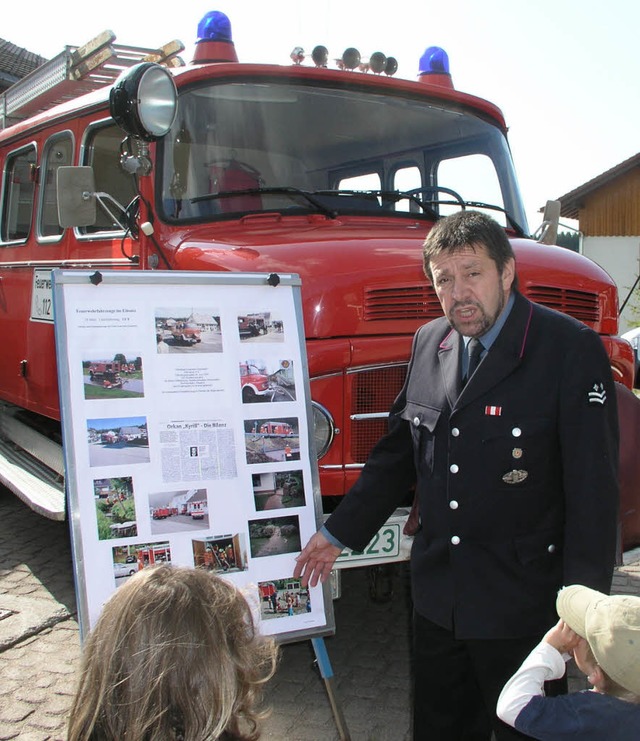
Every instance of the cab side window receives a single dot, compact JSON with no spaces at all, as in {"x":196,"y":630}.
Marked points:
{"x":58,"y":152}
{"x":102,"y":151}
{"x":18,"y":195}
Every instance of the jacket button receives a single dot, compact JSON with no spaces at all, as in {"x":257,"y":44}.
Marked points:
{"x":453,"y":504}
{"x":516,"y":432}
{"x":455,"y":540}
{"x":455,"y":432}
{"x":416,"y":421}
{"x":454,"y":468}
{"x":551,"y":548}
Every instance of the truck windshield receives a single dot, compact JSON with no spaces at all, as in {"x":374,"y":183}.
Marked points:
{"x":291,"y":148}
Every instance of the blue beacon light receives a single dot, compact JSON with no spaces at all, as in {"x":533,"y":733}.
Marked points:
{"x":215,"y":26}
{"x":215,"y":43}
{"x":434,"y":67}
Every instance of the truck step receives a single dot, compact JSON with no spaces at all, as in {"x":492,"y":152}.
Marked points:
{"x":31,"y":465}
{"x":37,"y":485}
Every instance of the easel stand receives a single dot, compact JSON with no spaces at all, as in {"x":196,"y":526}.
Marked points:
{"x":326,"y":672}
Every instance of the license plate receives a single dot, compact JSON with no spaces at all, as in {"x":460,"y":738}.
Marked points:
{"x":385,"y":544}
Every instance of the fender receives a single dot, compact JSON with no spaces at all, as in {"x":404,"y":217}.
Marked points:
{"x":629,"y":471}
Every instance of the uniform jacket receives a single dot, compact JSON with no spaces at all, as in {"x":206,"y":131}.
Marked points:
{"x":516,"y":474}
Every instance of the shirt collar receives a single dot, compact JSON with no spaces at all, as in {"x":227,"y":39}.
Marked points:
{"x":487,"y":339}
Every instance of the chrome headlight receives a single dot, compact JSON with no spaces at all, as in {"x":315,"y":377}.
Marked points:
{"x":323,"y":429}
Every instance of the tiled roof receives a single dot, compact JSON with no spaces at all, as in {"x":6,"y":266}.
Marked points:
{"x":16,"y":62}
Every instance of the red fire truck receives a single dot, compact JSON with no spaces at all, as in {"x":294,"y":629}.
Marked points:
{"x":333,"y":172}
{"x":276,"y":428}
{"x":107,"y":373}
{"x":254,"y":382}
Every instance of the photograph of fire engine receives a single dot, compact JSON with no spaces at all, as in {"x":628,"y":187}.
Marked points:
{"x":117,"y":441}
{"x":222,"y":554}
{"x":188,"y":330}
{"x":267,"y":380}
{"x":119,"y":378}
{"x":272,"y":440}
{"x":274,"y":536}
{"x":278,"y":489}
{"x":178,"y":511}
{"x":115,"y":508}
{"x":283,"y":598}
{"x":260,"y":327}
{"x":131,"y":558}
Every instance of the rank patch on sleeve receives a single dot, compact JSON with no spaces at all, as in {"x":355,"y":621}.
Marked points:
{"x":597,"y":395}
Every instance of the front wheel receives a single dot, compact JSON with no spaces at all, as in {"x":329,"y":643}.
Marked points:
{"x":381,"y":582}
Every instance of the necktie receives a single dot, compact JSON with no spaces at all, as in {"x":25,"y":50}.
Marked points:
{"x":474,"y":350}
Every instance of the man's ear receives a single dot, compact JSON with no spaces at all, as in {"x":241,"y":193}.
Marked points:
{"x":508,"y":274}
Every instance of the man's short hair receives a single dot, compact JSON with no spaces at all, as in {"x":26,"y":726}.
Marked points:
{"x":467,"y":229}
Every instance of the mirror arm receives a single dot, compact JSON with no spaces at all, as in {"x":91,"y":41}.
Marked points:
{"x":101,"y":198}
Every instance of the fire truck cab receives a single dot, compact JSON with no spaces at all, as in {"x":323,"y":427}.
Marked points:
{"x":254,"y":382}
{"x":106,"y":373}
{"x":276,"y":428}
{"x":334,"y":173}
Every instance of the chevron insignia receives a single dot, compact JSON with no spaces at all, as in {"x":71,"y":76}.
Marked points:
{"x":597,"y":395}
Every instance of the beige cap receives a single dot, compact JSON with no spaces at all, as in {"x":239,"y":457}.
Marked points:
{"x":611,"y":625}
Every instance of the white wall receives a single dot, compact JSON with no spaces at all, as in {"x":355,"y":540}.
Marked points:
{"x":620,"y":257}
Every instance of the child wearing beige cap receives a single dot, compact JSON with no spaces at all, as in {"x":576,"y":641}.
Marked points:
{"x":602,"y":633}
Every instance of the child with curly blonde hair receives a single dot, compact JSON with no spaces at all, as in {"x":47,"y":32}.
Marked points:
{"x":174,"y":656}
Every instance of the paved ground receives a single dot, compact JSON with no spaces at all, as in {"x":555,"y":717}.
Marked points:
{"x":39,"y":647}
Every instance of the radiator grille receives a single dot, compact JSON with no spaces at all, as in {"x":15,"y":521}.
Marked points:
{"x":401,"y":302}
{"x":581,"y":305}
{"x":373,"y":391}
{"x":419,"y":302}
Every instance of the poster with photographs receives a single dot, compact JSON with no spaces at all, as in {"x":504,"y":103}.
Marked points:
{"x":188,"y":436}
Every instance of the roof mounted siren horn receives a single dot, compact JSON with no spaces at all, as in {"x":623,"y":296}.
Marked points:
{"x":379,"y":63}
{"x":350,"y":59}
{"x":320,"y":55}
{"x":434,"y":68}
{"x":215,"y":43}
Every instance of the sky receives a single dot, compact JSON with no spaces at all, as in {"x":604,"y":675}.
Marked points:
{"x":565,"y":73}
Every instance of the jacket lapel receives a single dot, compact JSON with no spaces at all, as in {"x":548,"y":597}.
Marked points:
{"x":449,"y":356}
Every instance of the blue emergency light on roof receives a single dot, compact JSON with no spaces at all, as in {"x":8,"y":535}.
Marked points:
{"x":434,"y":67}
{"x":215,"y":43}
{"x":434,"y":60}
{"x":215,"y":26}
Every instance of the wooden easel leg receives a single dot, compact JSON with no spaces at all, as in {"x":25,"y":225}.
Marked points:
{"x":326,"y":672}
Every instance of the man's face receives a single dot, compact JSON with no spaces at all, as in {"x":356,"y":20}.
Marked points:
{"x":470,"y":289}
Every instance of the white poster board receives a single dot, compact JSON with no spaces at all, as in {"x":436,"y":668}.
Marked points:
{"x":188,"y":436}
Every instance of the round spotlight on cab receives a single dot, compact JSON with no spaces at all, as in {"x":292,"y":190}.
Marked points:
{"x":351,"y":58}
{"x":377,"y":62}
{"x":143,"y":101}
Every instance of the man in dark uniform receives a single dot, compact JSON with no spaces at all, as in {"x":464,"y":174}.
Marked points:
{"x":515,"y":469}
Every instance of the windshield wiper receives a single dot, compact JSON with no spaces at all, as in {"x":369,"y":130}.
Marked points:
{"x":520,"y":232}
{"x":390,"y":196}
{"x":289,"y":191}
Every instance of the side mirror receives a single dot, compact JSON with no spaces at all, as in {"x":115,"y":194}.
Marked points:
{"x":76,"y":188}
{"x":78,"y":199}
{"x":547,"y":232}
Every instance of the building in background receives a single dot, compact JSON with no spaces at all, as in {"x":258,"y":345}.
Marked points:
{"x":16,"y":63}
{"x":607,"y":209}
